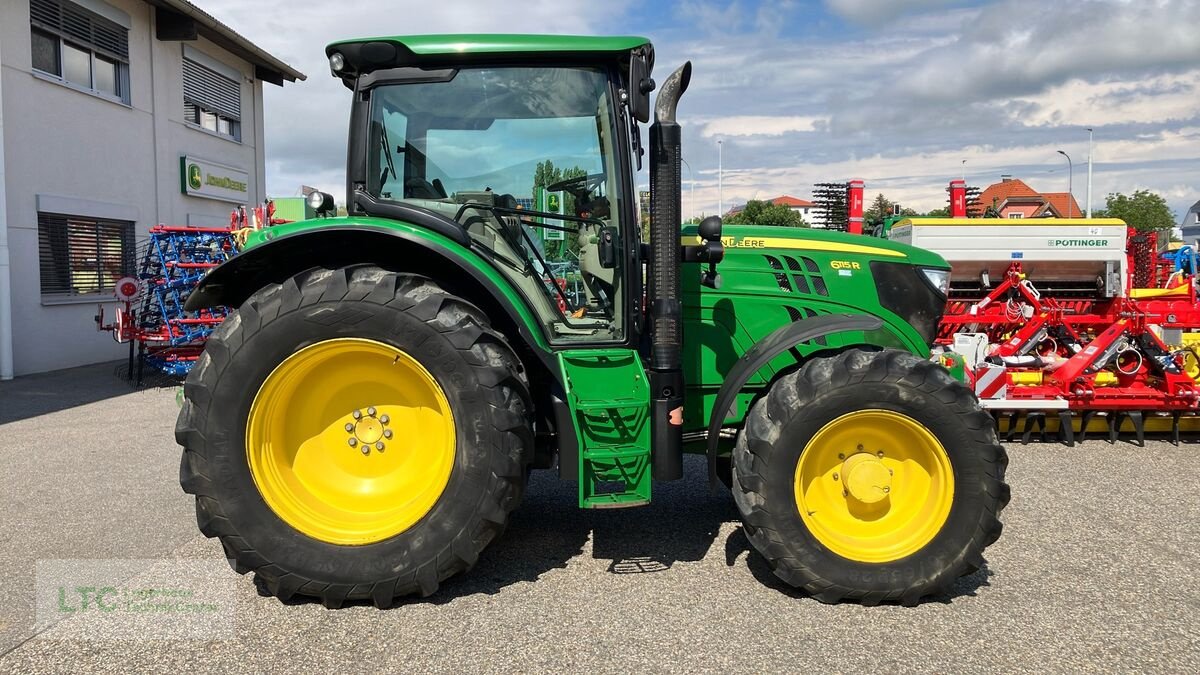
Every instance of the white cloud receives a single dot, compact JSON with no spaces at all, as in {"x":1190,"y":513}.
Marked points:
{"x":875,"y":12}
{"x":761,"y":125}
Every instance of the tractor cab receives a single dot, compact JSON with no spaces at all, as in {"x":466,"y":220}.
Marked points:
{"x":531,"y":157}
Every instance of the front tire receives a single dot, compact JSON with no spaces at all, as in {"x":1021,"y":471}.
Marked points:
{"x":355,"y":434}
{"x":870,"y":476}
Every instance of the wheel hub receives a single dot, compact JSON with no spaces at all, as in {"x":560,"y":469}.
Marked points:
{"x":866,"y":478}
{"x":368,"y":430}
{"x":317,"y":431}
{"x":874,"y":485}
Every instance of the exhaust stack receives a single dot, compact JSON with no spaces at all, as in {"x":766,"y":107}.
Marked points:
{"x":666,"y":374}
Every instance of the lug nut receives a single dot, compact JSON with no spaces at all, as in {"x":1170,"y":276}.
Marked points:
{"x":357,"y":414}
{"x":385,"y":419}
{"x":860,"y":447}
{"x":841,"y":456}
{"x":371,"y":411}
{"x":353,"y":442}
{"x":365,"y":449}
{"x":349,"y":427}
{"x":387,"y":433}
{"x":835,"y":476}
{"x":886,"y":489}
{"x":379,"y":445}
{"x":880,"y":453}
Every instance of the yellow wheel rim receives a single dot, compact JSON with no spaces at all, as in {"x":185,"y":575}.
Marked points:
{"x":350,"y":441}
{"x":874,"y":486}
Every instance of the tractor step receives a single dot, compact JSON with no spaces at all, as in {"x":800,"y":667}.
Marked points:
{"x":608,"y":393}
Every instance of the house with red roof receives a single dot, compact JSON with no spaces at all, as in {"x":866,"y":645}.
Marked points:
{"x":1013,"y":198}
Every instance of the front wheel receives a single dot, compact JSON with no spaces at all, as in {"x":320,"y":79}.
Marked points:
{"x":870,"y":476}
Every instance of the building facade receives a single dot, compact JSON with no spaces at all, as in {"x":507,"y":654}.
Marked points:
{"x":115,"y":115}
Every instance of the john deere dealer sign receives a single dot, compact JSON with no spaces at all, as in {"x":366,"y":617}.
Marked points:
{"x":200,"y":178}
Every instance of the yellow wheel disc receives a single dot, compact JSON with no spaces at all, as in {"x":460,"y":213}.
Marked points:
{"x":874,"y":486}
{"x":350,"y":441}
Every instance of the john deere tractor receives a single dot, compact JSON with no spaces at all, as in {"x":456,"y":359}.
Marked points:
{"x":363,"y":424}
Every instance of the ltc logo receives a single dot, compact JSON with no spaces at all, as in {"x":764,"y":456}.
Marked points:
{"x":552,"y":203}
{"x":194,"y":177}
{"x":89,"y":597}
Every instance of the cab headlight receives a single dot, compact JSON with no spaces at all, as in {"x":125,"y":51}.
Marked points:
{"x":939,"y":278}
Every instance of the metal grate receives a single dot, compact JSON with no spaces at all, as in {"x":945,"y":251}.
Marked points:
{"x":83,"y":256}
{"x":211,"y":90}
{"x":76,"y":24}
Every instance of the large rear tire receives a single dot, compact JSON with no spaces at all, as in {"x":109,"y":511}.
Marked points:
{"x":355,"y":434}
{"x":870,"y":476}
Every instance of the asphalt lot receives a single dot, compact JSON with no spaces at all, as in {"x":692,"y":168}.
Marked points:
{"x":1096,"y":570}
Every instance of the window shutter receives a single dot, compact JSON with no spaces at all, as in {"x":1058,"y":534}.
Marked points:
{"x":79,"y":25}
{"x":80,"y":256}
{"x":211,"y":90}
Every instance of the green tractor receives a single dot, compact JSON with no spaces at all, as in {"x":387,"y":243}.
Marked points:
{"x":361,"y":427}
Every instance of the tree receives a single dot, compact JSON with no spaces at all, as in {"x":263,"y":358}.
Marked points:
{"x":881,"y":208}
{"x":1144,"y":210}
{"x":766,"y":213}
{"x":943,"y":212}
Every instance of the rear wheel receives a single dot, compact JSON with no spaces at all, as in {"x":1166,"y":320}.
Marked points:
{"x":870,"y":476}
{"x":355,"y":434}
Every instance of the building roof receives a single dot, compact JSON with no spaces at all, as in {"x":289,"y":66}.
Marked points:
{"x":998,"y":193}
{"x":1064,"y":204}
{"x":1016,"y":191}
{"x":790,"y":201}
{"x":267,"y":67}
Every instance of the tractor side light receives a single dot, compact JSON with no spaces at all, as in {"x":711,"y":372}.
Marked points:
{"x":337,"y":62}
{"x":939,"y":278}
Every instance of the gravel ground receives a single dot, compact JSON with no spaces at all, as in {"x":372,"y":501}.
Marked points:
{"x":1096,"y":570}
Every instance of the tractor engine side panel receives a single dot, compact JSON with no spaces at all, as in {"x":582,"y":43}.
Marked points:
{"x":763,"y":289}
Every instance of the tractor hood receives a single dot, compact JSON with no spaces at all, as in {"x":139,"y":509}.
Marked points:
{"x":813,"y":271}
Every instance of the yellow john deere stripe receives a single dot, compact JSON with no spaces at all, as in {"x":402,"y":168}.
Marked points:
{"x":798,"y":245}
{"x":350,"y":441}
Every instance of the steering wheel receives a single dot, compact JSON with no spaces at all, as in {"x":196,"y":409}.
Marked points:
{"x":579,"y":186}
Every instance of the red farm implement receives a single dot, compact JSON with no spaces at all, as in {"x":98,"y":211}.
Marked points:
{"x":150,"y":317}
{"x":1070,"y":325}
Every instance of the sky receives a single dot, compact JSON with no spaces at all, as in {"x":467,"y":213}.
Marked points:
{"x":904,"y":94}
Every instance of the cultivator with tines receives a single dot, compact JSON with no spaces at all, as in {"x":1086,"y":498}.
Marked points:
{"x":175,"y":260}
{"x":161,"y":334}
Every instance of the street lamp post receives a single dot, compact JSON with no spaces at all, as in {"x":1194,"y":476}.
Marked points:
{"x":720,"y":184}
{"x":1089,"y":189}
{"x":692,"y":197}
{"x":1070,"y":181}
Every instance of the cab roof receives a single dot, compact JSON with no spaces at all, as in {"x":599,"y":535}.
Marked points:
{"x":366,"y":55}
{"x":479,"y":44}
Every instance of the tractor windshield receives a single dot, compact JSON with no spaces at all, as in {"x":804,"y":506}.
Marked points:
{"x":526,"y":159}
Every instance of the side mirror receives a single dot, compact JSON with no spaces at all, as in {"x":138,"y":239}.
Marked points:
{"x":640,"y":86}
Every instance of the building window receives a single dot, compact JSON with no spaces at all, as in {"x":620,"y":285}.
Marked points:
{"x":1015,"y":215}
{"x":83,"y":256}
{"x":211,"y":100}
{"x":80,"y":48}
